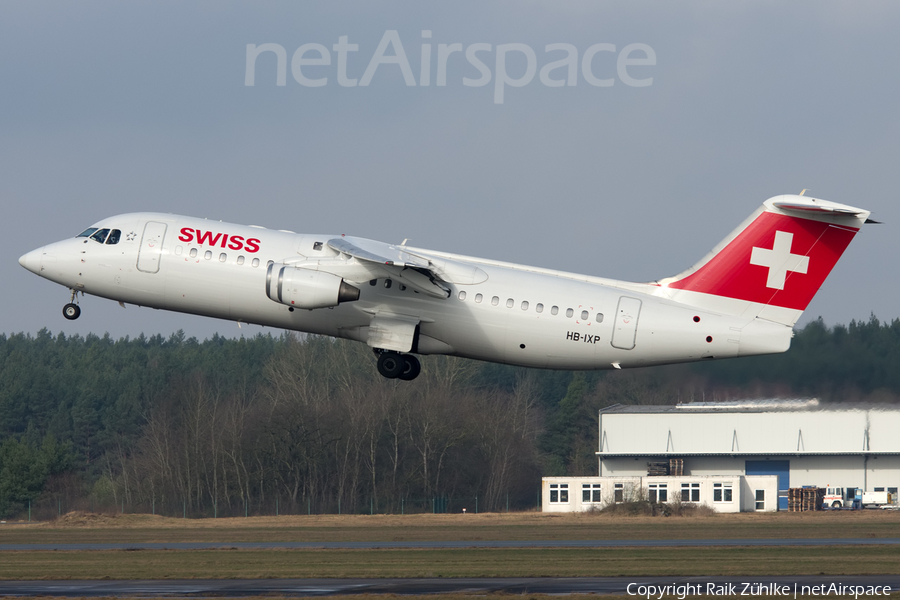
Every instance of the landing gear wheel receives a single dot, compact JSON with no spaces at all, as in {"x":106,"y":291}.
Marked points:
{"x":411,"y":368}
{"x":391,"y":364}
{"x":71,"y":311}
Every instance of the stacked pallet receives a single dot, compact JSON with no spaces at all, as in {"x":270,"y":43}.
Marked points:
{"x":805,"y":499}
{"x":657,"y":469}
{"x":676,"y":467}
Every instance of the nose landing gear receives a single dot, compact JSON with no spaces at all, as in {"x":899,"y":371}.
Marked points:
{"x":71,"y":311}
{"x":394,"y":365}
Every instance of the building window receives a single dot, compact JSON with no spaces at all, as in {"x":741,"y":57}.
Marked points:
{"x":619,"y":493}
{"x":590,"y":492}
{"x":760,"y":499}
{"x":690,"y":492}
{"x":722,"y":492}
{"x":658,"y":492}
{"x":462,"y":295}
{"x":559,"y":493}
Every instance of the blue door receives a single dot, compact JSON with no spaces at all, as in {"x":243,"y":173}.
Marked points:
{"x":782,"y":468}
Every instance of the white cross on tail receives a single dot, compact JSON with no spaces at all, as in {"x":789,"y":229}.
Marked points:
{"x":779,"y":260}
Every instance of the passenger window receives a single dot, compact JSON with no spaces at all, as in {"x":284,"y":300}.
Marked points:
{"x":178,"y":250}
{"x":584,"y":315}
{"x":495,"y":300}
{"x":208,"y":255}
{"x":255,"y":262}
{"x":87,"y":232}
{"x":478,"y":298}
{"x":402,"y":288}
{"x":462,"y":295}
{"x":373,"y":282}
{"x":569,"y":312}
{"x":114,"y":237}
{"x":599,"y":317}
{"x":554,"y":310}
{"x":317,"y":245}
{"x":539,"y":307}
{"x":100,"y":236}
{"x":240,"y":260}
{"x":193,"y":253}
{"x":387,"y":283}
{"x":223,"y":257}
{"x":524,"y":305}
{"x":510,"y":303}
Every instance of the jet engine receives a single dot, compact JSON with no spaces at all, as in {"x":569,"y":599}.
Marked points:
{"x":306,"y":288}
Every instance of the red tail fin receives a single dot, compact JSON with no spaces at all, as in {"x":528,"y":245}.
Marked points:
{"x":780,"y":256}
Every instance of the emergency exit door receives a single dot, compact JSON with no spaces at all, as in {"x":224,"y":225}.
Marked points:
{"x":151,"y":247}
{"x":625,"y":330}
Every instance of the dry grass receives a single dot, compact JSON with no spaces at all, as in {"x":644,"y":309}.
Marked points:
{"x":92,"y":528}
{"x":506,"y":562}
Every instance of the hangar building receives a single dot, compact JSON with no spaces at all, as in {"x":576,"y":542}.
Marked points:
{"x":802,"y":442}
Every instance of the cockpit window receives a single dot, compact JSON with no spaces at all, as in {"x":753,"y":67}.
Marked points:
{"x":114,"y":237}
{"x":100,"y":236}
{"x":87,"y":232}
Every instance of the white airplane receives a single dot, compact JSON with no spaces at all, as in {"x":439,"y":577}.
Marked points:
{"x":742,"y":299}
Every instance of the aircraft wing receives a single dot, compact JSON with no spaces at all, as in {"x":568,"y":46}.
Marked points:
{"x":406,"y":268}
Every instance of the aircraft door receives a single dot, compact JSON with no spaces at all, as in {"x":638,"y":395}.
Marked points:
{"x":151,"y":247}
{"x":627,"y":314}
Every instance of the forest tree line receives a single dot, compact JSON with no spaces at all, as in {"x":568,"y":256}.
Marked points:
{"x":305,"y":424}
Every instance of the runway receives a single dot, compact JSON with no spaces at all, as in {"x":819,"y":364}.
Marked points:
{"x":329,"y":587}
{"x":461,"y":544}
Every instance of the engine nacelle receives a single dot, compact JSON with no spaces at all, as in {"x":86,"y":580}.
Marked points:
{"x":306,"y":288}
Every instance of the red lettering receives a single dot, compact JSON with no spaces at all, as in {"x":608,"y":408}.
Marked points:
{"x":187,"y":234}
{"x":252,"y":245}
{"x":206,"y":237}
{"x":237,"y":242}
{"x":224,"y":239}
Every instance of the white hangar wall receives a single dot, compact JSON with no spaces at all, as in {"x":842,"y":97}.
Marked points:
{"x":805,"y":442}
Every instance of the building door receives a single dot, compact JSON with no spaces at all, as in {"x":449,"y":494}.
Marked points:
{"x":782,"y":468}
{"x":151,"y":247}
{"x":625,"y":329}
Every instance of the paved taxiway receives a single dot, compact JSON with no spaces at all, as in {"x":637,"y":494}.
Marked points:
{"x":460,"y":544}
{"x":327,"y":587}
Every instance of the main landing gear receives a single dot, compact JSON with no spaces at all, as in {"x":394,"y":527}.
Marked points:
{"x":394,"y":365}
{"x":71,"y":311}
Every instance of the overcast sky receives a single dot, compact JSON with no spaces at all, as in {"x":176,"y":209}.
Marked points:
{"x":113,"y":107}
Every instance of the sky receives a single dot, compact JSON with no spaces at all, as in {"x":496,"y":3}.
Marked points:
{"x":688,"y":117}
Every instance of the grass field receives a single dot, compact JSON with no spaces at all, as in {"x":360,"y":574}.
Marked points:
{"x":464,"y":562}
{"x":90,"y":528}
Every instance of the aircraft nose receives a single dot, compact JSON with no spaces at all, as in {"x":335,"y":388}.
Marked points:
{"x":32,"y":261}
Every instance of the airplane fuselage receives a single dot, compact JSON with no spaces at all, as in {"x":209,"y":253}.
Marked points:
{"x":518,"y":315}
